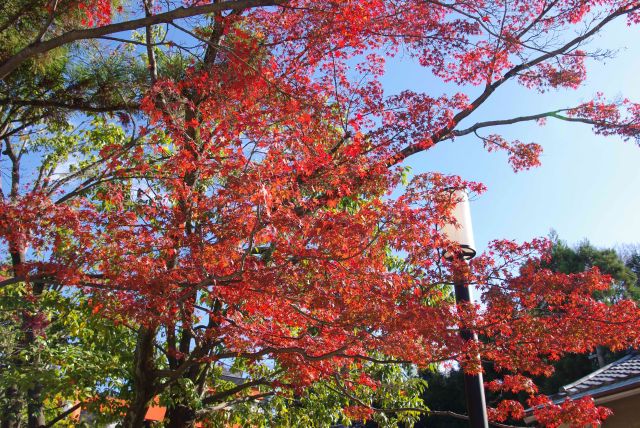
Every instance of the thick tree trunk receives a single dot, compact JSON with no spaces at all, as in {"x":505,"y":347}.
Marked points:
{"x":180,"y":417}
{"x":12,"y":410}
{"x":35,"y":407}
{"x":137,"y":411}
{"x":32,"y":324}
{"x":35,"y":399}
{"x":35,"y":328}
{"x":144,"y":379}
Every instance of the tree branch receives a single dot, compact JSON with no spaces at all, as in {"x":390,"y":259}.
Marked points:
{"x":511,"y":121}
{"x":78,"y":105}
{"x":490,"y":89}
{"x":36,"y":48}
{"x":232,"y":391}
{"x":227,"y":404}
{"x":153,"y":68}
{"x":63,"y":415}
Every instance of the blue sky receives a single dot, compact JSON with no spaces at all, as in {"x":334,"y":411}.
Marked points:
{"x":587,"y":187}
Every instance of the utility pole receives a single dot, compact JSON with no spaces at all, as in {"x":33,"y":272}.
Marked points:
{"x":462,"y":235}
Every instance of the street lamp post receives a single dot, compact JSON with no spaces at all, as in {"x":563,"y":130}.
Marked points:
{"x":462,"y":235}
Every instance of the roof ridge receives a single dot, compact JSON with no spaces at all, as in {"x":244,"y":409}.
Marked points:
{"x":591,"y":375}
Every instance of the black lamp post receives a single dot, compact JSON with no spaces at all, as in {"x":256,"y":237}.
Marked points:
{"x":462,"y":234}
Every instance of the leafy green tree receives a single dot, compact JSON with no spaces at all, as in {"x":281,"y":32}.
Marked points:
{"x":82,"y":357}
{"x":630,"y":254}
{"x":584,"y":256}
{"x":57,"y":159}
{"x":444,"y":391}
{"x":50,"y":138}
{"x":624,"y":285}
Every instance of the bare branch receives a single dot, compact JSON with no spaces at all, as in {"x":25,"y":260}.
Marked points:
{"x":479,"y":125}
{"x":228,"y":404}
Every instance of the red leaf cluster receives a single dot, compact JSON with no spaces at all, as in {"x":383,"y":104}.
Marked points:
{"x":261,"y":206}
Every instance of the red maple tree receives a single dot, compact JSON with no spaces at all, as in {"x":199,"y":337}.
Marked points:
{"x":255,"y":215}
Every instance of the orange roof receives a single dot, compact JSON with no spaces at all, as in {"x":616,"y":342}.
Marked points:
{"x":155,"y":413}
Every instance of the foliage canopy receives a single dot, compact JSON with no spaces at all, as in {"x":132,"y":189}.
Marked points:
{"x":217,"y":179}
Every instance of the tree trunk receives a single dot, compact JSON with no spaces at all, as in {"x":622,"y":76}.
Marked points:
{"x":180,"y":417}
{"x":600,"y":356}
{"x":33,"y":323}
{"x":35,"y":326}
{"x":137,"y":411}
{"x":12,"y":410}
{"x":35,"y":399}
{"x":15,"y":400}
{"x":144,"y":380}
{"x":35,"y":407}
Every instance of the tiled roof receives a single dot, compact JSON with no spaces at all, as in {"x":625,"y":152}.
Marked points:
{"x":623,"y":372}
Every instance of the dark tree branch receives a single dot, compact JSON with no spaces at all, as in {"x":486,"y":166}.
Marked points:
{"x":211,"y":399}
{"x":490,"y":123}
{"x":292,"y":350}
{"x":153,"y":68}
{"x":490,"y":89}
{"x":63,"y":415}
{"x":36,"y":48}
{"x":47,"y":24}
{"x":78,"y":105}
{"x":228,"y":404}
{"x":132,"y":42}
{"x":550,"y":114}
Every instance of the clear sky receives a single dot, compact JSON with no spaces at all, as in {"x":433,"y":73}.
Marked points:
{"x":587,"y":187}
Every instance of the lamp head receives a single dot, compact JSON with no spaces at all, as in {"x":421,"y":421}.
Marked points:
{"x":462,"y":232}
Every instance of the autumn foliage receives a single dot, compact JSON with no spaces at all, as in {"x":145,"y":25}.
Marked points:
{"x":258,"y":202}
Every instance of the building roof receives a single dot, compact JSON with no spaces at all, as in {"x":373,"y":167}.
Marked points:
{"x":232,"y":376}
{"x":621,"y":374}
{"x":612,"y":382}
